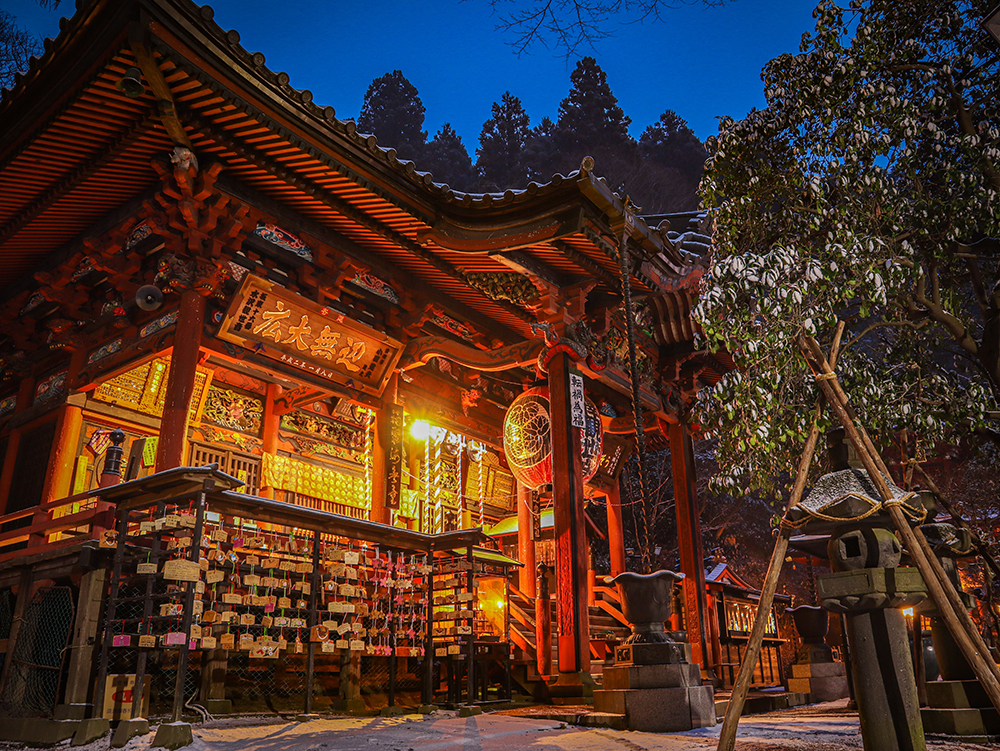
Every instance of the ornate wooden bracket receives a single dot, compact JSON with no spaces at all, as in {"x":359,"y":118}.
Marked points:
{"x":421,"y":351}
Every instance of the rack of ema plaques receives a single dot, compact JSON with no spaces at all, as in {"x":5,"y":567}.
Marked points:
{"x":230,"y":603}
{"x":470,"y":634}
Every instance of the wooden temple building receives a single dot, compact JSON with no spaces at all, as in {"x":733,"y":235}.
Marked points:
{"x":194,"y":252}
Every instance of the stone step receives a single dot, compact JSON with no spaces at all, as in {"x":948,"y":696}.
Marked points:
{"x":957,"y":695}
{"x":978,"y":723}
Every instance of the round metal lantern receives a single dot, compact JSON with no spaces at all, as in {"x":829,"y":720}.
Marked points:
{"x":527,"y":438}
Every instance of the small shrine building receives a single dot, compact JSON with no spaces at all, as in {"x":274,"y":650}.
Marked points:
{"x":197,"y":253}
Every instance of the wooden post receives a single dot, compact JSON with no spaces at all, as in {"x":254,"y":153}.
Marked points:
{"x":180,"y":382}
{"x":269,"y":432}
{"x":692,"y":554}
{"x":380,"y":510}
{"x":616,"y":532}
{"x":526,"y":576}
{"x":86,"y":628}
{"x":193,"y":555}
{"x":570,"y":532}
{"x":25,"y":587}
{"x":543,"y":624}
{"x":59,"y":475}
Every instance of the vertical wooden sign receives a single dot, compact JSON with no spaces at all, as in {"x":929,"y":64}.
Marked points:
{"x":536,"y":515}
{"x":394,"y":454}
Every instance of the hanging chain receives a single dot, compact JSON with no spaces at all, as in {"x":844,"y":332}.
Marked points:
{"x":640,"y":435}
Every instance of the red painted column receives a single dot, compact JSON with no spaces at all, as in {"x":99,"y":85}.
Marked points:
{"x":692,"y":555}
{"x":570,"y":530}
{"x":269,"y":433}
{"x":379,"y":511}
{"x":616,"y":532}
{"x":527,"y":576}
{"x":180,"y":382}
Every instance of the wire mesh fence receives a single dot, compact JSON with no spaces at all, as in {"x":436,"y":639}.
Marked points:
{"x":31,"y":686}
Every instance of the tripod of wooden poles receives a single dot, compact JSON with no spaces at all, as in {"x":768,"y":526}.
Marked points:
{"x":939,"y":586}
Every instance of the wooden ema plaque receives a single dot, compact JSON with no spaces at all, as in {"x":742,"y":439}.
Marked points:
{"x":271,"y":321}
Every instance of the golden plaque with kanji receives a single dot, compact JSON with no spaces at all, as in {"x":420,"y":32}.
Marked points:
{"x":271,"y":321}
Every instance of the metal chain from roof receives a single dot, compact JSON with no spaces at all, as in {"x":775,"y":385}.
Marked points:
{"x":640,"y":435}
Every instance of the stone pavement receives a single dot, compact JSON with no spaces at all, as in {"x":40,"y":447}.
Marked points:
{"x":823,"y":727}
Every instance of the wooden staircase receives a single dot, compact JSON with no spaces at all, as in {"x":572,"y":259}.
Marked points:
{"x":608,"y":627}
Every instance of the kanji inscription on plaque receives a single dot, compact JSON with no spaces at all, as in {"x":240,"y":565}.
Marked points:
{"x":273,"y":322}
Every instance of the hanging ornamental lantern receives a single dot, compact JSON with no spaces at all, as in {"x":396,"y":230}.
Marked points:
{"x":527,"y":438}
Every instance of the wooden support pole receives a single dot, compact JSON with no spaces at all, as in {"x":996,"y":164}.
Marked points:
{"x":180,"y":382}
{"x":616,"y":530}
{"x":570,"y":532}
{"x":526,"y":576}
{"x":727,"y":736}
{"x":689,"y":542}
{"x":941,"y":589}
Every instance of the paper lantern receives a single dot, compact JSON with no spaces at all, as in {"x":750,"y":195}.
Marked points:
{"x":527,"y":438}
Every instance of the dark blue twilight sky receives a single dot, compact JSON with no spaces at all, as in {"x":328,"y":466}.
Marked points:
{"x":701,"y":62}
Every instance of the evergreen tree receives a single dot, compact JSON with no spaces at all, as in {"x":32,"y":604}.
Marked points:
{"x":672,"y":162}
{"x":591,"y":123}
{"x":541,"y":159}
{"x":500,"y":156}
{"x":671,"y":142}
{"x":448,"y":160}
{"x":394,"y":113}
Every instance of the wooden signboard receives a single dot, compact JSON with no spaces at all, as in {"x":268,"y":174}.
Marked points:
{"x":273,"y":322}
{"x":394,"y":452}
{"x":119,"y":696}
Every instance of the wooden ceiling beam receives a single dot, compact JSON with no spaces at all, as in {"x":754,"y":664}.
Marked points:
{"x":154,"y":77}
{"x":49,"y":198}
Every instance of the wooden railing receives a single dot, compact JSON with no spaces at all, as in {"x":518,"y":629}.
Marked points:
{"x":608,"y":600}
{"x":56,"y":524}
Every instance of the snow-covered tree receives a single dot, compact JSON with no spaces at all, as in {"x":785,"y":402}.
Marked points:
{"x":868,"y":190}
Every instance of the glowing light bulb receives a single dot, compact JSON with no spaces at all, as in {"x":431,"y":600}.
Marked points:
{"x":420,"y":429}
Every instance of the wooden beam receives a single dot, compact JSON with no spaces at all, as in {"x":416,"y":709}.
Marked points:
{"x":161,"y":90}
{"x":363,"y":257}
{"x":49,"y":198}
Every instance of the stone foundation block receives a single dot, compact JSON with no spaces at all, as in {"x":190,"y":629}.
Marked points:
{"x":652,"y":676}
{"x":173,"y":735}
{"x":72,"y":711}
{"x":660,"y":710}
{"x":391,"y":712}
{"x":348,"y":705}
{"x":129,"y":729}
{"x":964,"y":722}
{"x":469,"y":711}
{"x":818,"y":669}
{"x":218,"y":706}
{"x":90,"y":730}
{"x":957,"y":695}
{"x":652,"y":654}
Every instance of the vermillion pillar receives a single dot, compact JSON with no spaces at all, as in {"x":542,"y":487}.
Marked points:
{"x":180,"y":382}
{"x":59,"y":474}
{"x":616,"y":532}
{"x":692,"y":554}
{"x":269,"y":434}
{"x":571,"y":537}
{"x":526,"y":576}
{"x":380,"y":510}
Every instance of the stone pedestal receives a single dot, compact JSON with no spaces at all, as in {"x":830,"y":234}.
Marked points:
{"x":814,"y":672}
{"x":657,"y":698}
{"x":880,"y":655}
{"x":823,"y":681}
{"x":960,"y":709}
